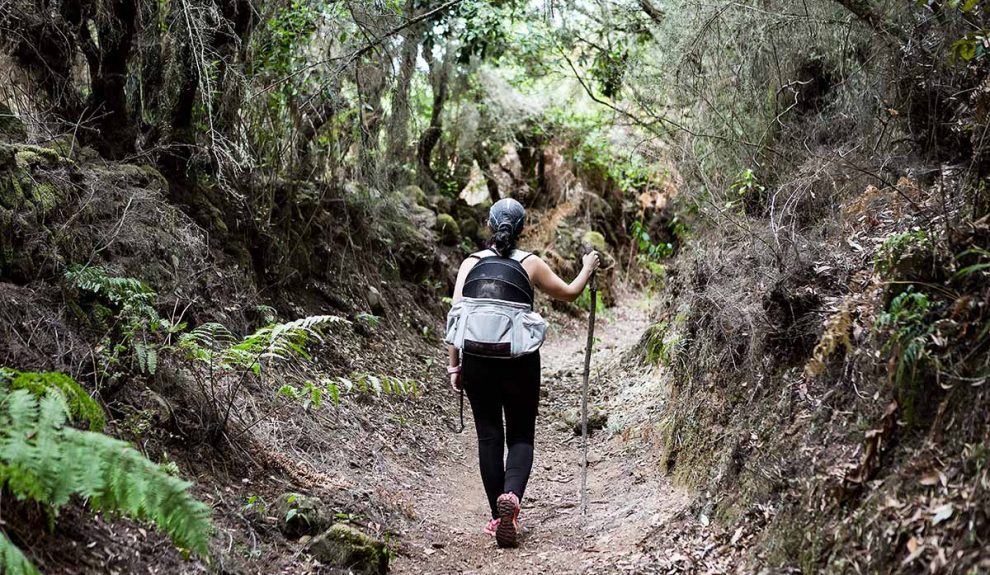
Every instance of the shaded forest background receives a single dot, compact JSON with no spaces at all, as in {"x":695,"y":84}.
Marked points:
{"x":800,"y":190}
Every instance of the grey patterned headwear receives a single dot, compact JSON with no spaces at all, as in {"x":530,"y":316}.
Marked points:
{"x":507,"y":213}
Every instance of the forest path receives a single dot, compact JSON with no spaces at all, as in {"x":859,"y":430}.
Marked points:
{"x":629,"y":499}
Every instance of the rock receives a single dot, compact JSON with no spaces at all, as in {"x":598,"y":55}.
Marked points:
{"x":442,"y":204}
{"x":470,"y":228}
{"x":345,"y":547}
{"x":596,"y":419}
{"x":447,"y":228}
{"x":375,"y":301}
{"x":423,"y":219}
{"x":299,"y":515}
{"x":413,"y":194}
{"x":475,"y":193}
{"x":23,"y":181}
{"x":508,"y":176}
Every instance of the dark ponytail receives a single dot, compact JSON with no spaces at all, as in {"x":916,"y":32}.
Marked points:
{"x":503,"y":241}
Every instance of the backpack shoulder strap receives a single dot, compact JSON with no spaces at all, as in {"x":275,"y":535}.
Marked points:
{"x":520,"y":256}
{"x":482,"y":254}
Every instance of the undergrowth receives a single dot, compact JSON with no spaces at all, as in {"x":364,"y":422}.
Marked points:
{"x":906,"y":321}
{"x":898,"y":248}
{"x":124,"y":309}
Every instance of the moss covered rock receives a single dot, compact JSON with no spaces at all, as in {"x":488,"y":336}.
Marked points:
{"x":595,"y":240}
{"x":414,"y":195}
{"x":447,"y":229}
{"x":82,"y":407}
{"x":11,"y":192}
{"x":27,"y":157}
{"x":442,"y":204}
{"x":470,"y":228}
{"x":345,"y":547}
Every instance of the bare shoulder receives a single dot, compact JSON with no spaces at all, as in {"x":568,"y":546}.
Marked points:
{"x":534,"y":266}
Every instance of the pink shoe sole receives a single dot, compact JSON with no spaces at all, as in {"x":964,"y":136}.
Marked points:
{"x":507,"y":533}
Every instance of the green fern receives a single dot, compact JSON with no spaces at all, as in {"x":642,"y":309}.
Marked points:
{"x":117,"y":290}
{"x":906,"y":322}
{"x":311,"y":393}
{"x":214,"y":344}
{"x":12,"y":561}
{"x":138,"y":327}
{"x":44,"y":460}
{"x":81,"y":405}
{"x":132,"y":298}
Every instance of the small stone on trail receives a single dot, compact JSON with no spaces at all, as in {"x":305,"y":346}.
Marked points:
{"x":596,"y":419}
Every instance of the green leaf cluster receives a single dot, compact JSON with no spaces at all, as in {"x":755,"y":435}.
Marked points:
{"x":899,"y":247}
{"x":653,"y":251}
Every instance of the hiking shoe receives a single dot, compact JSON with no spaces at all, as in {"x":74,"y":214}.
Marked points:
{"x":507,"y":531}
{"x":491,"y":527}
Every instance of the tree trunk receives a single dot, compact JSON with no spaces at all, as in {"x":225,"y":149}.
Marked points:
{"x":107,"y":56}
{"x":43,"y":46}
{"x":439,"y":77}
{"x":397,"y":131}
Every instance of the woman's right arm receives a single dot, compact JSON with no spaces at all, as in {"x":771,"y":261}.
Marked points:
{"x":453,"y":357}
{"x":551,"y":284}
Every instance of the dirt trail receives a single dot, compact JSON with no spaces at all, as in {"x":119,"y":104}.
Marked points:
{"x":629,"y":499}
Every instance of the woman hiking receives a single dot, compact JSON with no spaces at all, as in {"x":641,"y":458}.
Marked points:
{"x":508,"y":386}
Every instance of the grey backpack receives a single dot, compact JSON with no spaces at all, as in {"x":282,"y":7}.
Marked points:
{"x":495,"y":317}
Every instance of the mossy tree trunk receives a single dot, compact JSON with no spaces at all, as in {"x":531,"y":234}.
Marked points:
{"x":440,"y":71}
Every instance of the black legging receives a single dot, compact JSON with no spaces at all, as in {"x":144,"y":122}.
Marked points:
{"x":513,"y":386}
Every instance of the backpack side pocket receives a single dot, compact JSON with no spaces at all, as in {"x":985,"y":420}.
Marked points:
{"x":454,"y":333}
{"x":531,"y":332}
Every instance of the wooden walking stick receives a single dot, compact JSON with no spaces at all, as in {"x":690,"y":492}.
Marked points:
{"x":584,"y":395}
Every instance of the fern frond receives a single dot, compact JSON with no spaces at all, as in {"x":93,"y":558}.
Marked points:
{"x":210,"y":335}
{"x":44,"y":460}
{"x":118,"y":290}
{"x":139,"y":488}
{"x":280,"y":341}
{"x":12,"y":561}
